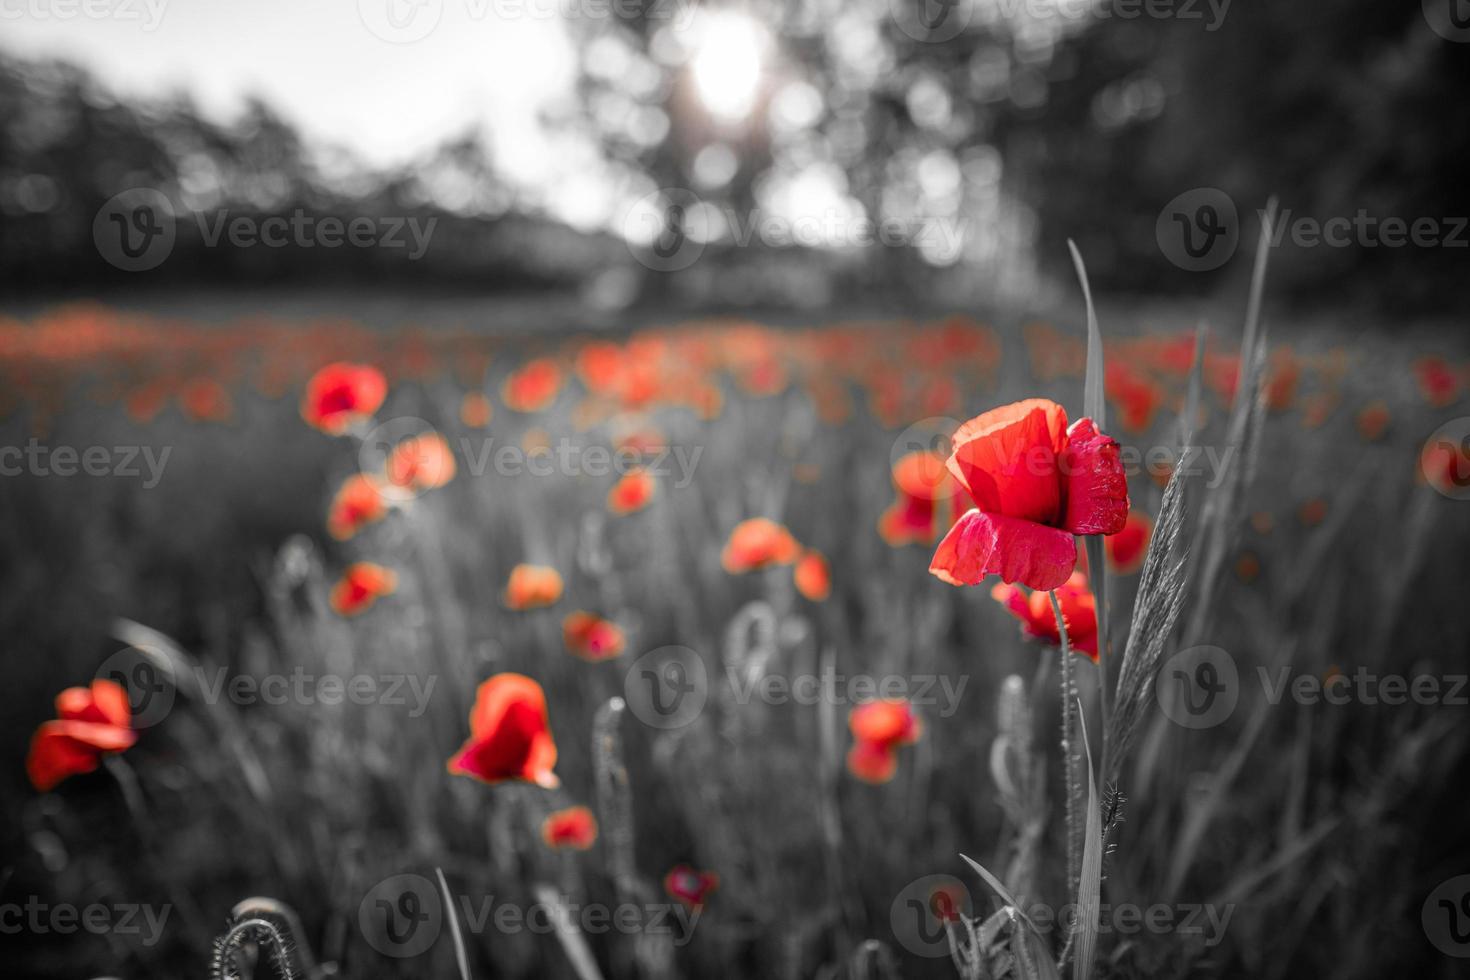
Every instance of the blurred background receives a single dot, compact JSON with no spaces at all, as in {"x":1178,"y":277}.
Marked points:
{"x":546,"y":135}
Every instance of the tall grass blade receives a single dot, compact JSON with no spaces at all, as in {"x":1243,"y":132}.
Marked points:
{"x":460,"y":958}
{"x":1089,"y":885}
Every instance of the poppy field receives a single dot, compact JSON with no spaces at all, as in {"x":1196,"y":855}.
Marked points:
{"x":938,"y":647}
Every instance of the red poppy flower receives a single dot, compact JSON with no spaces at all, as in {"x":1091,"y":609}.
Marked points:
{"x":423,"y":462}
{"x":928,"y":500}
{"x":591,"y":637}
{"x":1127,"y":548}
{"x":1372,"y":421}
{"x":689,"y":886}
{"x":510,"y":737}
{"x":357,"y":503}
{"x":205,"y":400}
{"x":360,"y":586}
{"x":475,"y":410}
{"x":758,"y":543}
{"x":532,"y":586}
{"x":574,"y":828}
{"x":532,"y":387}
{"x":341,"y":394}
{"x":1035,"y":483}
{"x":1437,"y":381}
{"x":600,"y":366}
{"x":631,"y":493}
{"x":1135,"y":397}
{"x":878,"y":729}
{"x":91,"y":722}
{"x":812,"y":576}
{"x":1079,"y":611}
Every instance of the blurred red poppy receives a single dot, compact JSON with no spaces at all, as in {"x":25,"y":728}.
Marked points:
{"x":1079,"y":611}
{"x":532,"y":387}
{"x":1035,"y":483}
{"x":689,"y":886}
{"x":812,"y":576}
{"x":361,"y":584}
{"x":927,"y":503}
{"x":357,"y":503}
{"x":205,"y":400}
{"x":475,"y":410}
{"x":632,"y":492}
{"x":1126,"y":549}
{"x":1438,"y":381}
{"x":423,"y":462}
{"x":510,"y":737}
{"x":878,"y":729}
{"x":341,"y":394}
{"x":758,"y":543}
{"x":591,"y":637}
{"x":1372,"y":421}
{"x":532,"y":586}
{"x":91,"y":722}
{"x":574,"y":828}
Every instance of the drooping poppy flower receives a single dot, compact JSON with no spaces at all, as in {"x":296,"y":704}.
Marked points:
{"x":1126,"y":549}
{"x":422,"y":462}
{"x":357,"y":503}
{"x":1079,"y":611}
{"x":927,"y":503}
{"x":1437,"y":381}
{"x":1035,"y":483}
{"x":361,"y":585}
{"x":591,"y":637}
{"x":812,"y":576}
{"x":758,"y":542}
{"x":510,"y":736}
{"x":532,"y":586}
{"x":632,"y":492}
{"x":475,"y":410}
{"x":574,"y":828}
{"x":1372,"y":421}
{"x":92,"y":721}
{"x":341,"y":394}
{"x":878,"y":729}
{"x":690,"y":887}
{"x":532,"y":387}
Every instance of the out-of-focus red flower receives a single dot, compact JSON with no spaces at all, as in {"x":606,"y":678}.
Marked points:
{"x":689,"y":886}
{"x":357,"y":503}
{"x":1282,"y":379}
{"x":632,"y":492}
{"x":361,"y":585}
{"x":145,"y":402}
{"x":475,"y":410}
{"x":600,"y":366}
{"x":205,"y":400}
{"x":758,"y":542}
{"x":1035,"y":483}
{"x":1135,"y":397}
{"x":878,"y":729}
{"x":591,"y":637}
{"x":422,"y":462}
{"x":91,"y":722}
{"x":532,"y":586}
{"x":1079,"y":611}
{"x":1437,"y":381}
{"x":927,"y":503}
{"x":812,"y":576}
{"x":532,"y":387}
{"x":341,"y":394}
{"x":574,"y":828}
{"x":510,"y":736}
{"x":1312,"y":512}
{"x":1372,"y":421}
{"x":1126,"y":549}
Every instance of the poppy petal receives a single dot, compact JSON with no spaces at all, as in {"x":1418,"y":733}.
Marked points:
{"x":1097,"y":487}
{"x":1007,"y":459}
{"x":982,"y":544}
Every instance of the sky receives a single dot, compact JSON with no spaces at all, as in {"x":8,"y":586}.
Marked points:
{"x":387,"y":79}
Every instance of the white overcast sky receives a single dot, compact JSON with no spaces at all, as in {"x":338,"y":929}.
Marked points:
{"x":319,"y":64}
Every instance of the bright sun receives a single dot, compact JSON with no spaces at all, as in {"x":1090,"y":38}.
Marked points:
{"x":727,"y":63}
